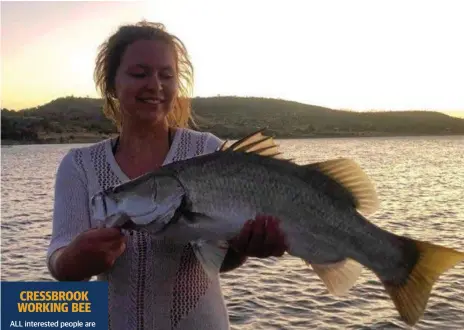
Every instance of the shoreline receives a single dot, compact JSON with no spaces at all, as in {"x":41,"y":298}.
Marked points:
{"x":95,"y":139}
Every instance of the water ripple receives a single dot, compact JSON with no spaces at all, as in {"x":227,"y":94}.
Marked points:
{"x":420,"y":182}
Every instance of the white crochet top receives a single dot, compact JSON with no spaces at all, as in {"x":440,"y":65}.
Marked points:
{"x":153,"y":284}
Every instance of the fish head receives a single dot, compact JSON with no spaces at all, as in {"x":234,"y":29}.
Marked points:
{"x":150,"y":200}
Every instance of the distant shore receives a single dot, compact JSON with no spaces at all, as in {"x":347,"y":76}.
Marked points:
{"x":88,"y":138}
{"x":81,"y":120}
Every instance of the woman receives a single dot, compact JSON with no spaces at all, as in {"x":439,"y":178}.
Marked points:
{"x":144,"y":75}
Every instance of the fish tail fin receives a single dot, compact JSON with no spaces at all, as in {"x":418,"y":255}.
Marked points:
{"x":411,"y":296}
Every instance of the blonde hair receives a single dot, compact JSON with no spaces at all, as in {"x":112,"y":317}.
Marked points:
{"x":108,"y":60}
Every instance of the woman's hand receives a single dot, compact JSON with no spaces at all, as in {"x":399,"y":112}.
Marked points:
{"x":90,"y":253}
{"x":260,"y":238}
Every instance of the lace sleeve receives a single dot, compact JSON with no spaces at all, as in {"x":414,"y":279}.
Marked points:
{"x":212,"y":143}
{"x":71,"y":210}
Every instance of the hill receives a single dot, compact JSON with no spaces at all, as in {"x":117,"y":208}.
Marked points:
{"x":77,"y":119}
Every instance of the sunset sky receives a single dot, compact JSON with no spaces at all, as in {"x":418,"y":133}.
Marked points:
{"x":359,"y":55}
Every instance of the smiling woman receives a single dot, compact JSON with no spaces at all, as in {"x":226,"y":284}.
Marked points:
{"x":155,"y":58}
{"x":145,"y":76}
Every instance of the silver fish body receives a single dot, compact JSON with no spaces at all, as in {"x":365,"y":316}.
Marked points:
{"x":223,"y":190}
{"x":321,"y":208}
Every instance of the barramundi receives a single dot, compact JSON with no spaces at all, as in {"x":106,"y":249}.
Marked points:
{"x":322,"y":208}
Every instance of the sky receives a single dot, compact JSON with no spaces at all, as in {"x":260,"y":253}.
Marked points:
{"x":356,"y":55}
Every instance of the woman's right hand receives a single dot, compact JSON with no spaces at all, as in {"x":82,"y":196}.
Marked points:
{"x":90,"y":253}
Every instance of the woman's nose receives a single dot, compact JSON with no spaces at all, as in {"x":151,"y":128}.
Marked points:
{"x":155,"y":82}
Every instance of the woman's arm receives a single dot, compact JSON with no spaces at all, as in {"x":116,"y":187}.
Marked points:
{"x":70,"y":211}
{"x":77,"y":252}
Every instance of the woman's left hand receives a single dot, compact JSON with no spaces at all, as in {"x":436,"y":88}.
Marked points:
{"x":260,"y":238}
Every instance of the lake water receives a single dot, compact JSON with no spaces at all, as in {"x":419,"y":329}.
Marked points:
{"x":420,"y":181}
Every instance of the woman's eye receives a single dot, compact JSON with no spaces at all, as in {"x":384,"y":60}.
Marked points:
{"x":138,"y":75}
{"x":167,"y":76}
{"x":161,"y":75}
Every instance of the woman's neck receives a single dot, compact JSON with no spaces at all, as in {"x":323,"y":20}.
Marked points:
{"x":141,"y":149}
{"x":144,"y":139}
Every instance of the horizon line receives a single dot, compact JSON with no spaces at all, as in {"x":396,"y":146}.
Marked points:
{"x":444,"y":111}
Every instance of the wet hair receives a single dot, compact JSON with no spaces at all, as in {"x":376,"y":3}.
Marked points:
{"x":109,"y":57}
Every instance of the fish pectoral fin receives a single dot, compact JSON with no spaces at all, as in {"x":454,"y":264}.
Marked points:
{"x":411,"y":296}
{"x":210,"y":255}
{"x":339,"y":277}
{"x":351,"y":176}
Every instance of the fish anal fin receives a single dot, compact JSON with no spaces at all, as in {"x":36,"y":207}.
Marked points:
{"x":411,"y":296}
{"x":351,"y":176}
{"x":339,"y":277}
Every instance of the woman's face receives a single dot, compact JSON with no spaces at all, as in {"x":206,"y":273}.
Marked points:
{"x":146,"y":81}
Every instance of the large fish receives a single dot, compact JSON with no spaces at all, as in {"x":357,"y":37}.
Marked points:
{"x":322,"y":209}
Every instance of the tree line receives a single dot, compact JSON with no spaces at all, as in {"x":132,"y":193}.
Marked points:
{"x":71,"y":118}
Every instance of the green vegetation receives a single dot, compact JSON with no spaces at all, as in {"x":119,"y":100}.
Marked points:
{"x":73,"y":119}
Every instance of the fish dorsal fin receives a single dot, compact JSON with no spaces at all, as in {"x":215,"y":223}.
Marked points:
{"x":223,"y":146}
{"x":350,"y":175}
{"x":257,"y":143}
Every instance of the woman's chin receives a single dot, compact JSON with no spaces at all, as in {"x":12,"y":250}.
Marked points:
{"x":152,"y":115}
